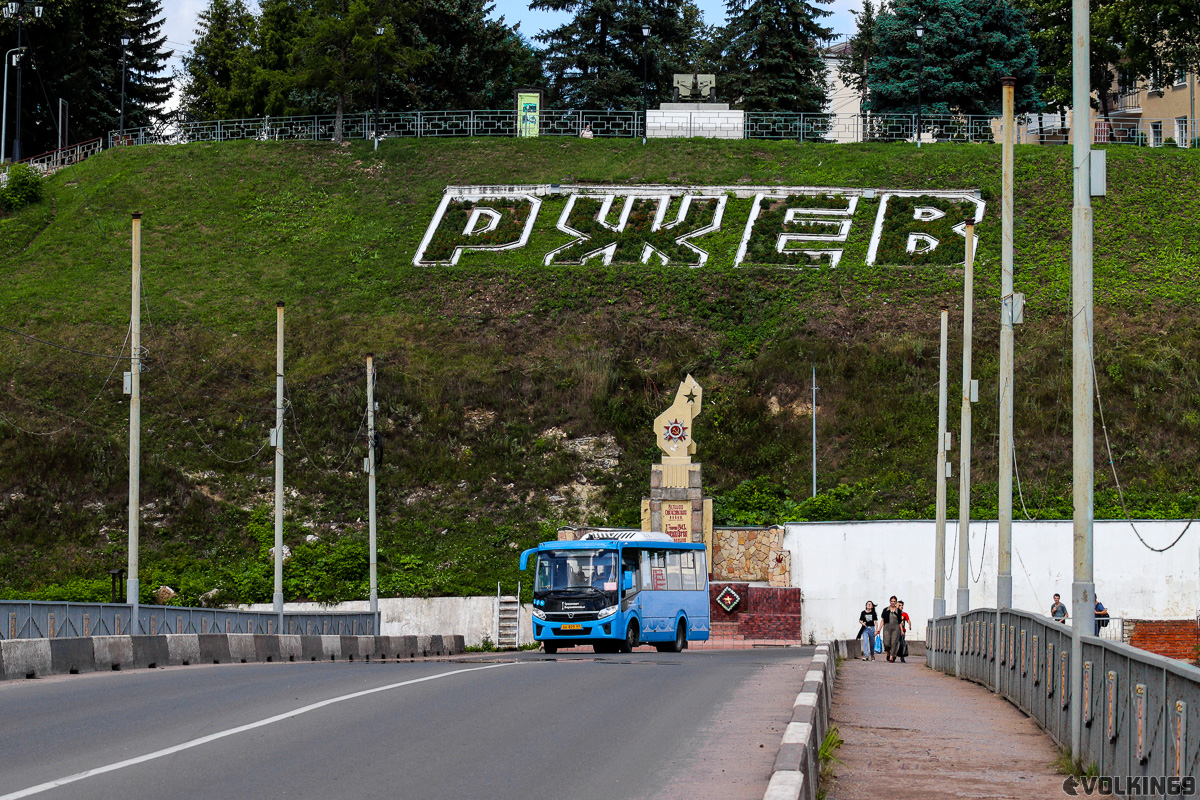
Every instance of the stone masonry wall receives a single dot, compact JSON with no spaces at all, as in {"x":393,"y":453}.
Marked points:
{"x":751,"y":554}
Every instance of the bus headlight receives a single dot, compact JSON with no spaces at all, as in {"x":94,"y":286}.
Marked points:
{"x":537,"y":612}
{"x":606,"y":612}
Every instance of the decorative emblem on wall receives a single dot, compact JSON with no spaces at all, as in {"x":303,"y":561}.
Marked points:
{"x":728,"y":599}
{"x":675,"y":431}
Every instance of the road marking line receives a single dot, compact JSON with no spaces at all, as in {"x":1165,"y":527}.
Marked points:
{"x":43,"y":787}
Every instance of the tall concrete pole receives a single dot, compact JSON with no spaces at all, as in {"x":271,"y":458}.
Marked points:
{"x":1007,"y":300}
{"x":939,"y":550}
{"x":1004,"y":570}
{"x":1083,"y":588}
{"x":279,"y":463}
{"x":814,"y":430}
{"x":963,"y":603}
{"x":135,"y":424}
{"x":371,"y":485}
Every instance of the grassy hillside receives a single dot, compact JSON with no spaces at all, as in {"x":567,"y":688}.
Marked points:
{"x":515,"y":396}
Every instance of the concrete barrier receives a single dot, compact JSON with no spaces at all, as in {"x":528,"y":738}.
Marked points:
{"x":25,"y":658}
{"x":214,"y":648}
{"x":69,"y":655}
{"x":241,"y":648}
{"x":113,"y":652}
{"x":73,"y":655}
{"x":150,"y":652}
{"x":797,"y":765}
{"x":183,"y":649}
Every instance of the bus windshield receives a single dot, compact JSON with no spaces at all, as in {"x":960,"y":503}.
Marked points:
{"x":559,"y":570}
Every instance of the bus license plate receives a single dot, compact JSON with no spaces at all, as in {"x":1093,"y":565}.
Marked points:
{"x":572,"y":627}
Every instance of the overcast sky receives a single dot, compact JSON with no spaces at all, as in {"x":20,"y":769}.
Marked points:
{"x":181,"y":16}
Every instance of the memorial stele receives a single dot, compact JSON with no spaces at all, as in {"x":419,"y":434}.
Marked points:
{"x":677,"y":506}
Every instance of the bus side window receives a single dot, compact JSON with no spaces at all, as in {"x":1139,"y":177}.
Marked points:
{"x":645,"y":570}
{"x":687,"y":565}
{"x":701,"y":570}
{"x":674,"y":580}
{"x":629,"y":564}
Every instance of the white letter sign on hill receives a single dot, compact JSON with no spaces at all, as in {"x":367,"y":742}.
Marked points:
{"x":787,"y":226}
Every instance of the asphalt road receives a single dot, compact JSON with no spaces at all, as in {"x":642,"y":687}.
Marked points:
{"x":528,"y":726}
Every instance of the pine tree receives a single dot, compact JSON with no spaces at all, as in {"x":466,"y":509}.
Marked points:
{"x":967,"y":47}
{"x":774,"y":58}
{"x":147,"y":88}
{"x":462,"y":59}
{"x":596,"y":59}
{"x":222,"y":38}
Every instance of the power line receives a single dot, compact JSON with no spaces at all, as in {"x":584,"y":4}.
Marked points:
{"x":85,"y":412}
{"x":60,"y":346}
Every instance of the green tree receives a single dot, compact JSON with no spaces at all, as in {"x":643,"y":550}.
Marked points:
{"x":774,"y":58}
{"x":462,"y":59}
{"x":1050,"y":32}
{"x":147,"y":87}
{"x":222,"y":40}
{"x":596,"y":59}
{"x":968,"y":46}
{"x":853,"y":69}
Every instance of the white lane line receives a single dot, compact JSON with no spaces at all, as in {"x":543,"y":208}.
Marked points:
{"x":43,"y":787}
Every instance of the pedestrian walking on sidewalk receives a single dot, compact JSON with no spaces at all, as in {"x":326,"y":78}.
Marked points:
{"x":890,"y":618}
{"x":905,"y":627}
{"x":868,"y":619}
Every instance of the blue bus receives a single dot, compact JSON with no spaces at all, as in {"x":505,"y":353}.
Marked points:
{"x":616,"y":589}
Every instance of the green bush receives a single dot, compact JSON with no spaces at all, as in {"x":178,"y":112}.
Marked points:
{"x":24,"y":186}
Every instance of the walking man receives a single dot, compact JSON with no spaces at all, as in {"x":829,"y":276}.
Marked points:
{"x":891,"y":629}
{"x":1058,"y":610}
{"x":905,"y":627}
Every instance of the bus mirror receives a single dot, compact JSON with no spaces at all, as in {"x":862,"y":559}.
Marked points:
{"x":628,"y":584}
{"x":525,"y":557}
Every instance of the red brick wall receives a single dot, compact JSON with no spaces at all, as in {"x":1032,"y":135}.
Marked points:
{"x":764,"y":612}
{"x":1174,"y":638}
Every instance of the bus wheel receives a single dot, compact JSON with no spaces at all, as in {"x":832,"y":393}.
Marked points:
{"x":550,"y":647}
{"x":632,"y":638}
{"x":680,"y":638}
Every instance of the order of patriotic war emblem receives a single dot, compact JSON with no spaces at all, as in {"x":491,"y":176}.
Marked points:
{"x":674,"y":432}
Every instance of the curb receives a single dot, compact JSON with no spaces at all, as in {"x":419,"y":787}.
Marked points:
{"x":34,"y":658}
{"x":797,"y":766}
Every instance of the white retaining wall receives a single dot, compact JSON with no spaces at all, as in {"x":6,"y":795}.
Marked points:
{"x":685,"y":124}
{"x":471,"y":617}
{"x":841,"y":565}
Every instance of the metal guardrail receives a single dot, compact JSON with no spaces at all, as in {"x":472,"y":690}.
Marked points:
{"x":1140,"y":711}
{"x":1031,"y":129}
{"x":32,"y":619}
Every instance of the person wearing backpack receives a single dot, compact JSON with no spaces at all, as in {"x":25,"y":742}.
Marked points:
{"x":868,"y":619}
{"x":1101,"y":616}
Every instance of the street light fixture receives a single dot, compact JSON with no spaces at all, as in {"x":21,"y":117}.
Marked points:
{"x":645,"y":81}
{"x":16,"y":8}
{"x":124,"y":52}
{"x":920,"y":76}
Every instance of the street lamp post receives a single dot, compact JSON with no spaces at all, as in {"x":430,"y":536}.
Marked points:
{"x":16,"y":8}
{"x":124,"y":53}
{"x":645,"y":81}
{"x":378,"y":32}
{"x":920,"y":76}
{"x":16,"y":54}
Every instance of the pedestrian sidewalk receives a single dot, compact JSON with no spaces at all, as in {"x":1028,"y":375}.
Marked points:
{"x":911,"y":732}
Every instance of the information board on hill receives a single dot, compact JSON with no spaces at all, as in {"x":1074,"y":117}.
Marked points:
{"x":788,"y":226}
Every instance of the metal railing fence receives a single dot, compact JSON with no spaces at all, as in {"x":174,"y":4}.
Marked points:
{"x":1140,"y":711}
{"x":843,"y":128}
{"x":33,"y":619}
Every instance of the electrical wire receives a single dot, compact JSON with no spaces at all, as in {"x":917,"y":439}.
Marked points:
{"x":79,"y":417}
{"x":1113,"y":466}
{"x":295,"y":427}
{"x":982,"y":554}
{"x":60,"y":346}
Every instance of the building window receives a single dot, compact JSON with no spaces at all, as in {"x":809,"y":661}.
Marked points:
{"x":1156,"y":138}
{"x":1180,"y":77}
{"x":1181,"y":131}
